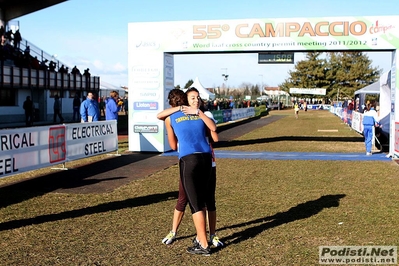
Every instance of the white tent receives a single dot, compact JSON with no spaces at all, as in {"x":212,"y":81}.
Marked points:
{"x":204,"y":93}
{"x":370,"y":89}
{"x":106,"y":88}
{"x":383,"y":89}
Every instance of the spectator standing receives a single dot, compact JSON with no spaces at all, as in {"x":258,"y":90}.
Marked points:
{"x":57,"y":109}
{"x":52,"y":66}
{"x":76,"y":105}
{"x":102,"y":106}
{"x":370,"y":119}
{"x":17,"y":39}
{"x":75,"y":71}
{"x":86,"y":74}
{"x":29,"y":108}
{"x":27,"y":51}
{"x":62,"y":69}
{"x":89,"y":110}
{"x":43,"y":65}
{"x":111,"y":106}
{"x":125,"y":105}
{"x":8,"y":35}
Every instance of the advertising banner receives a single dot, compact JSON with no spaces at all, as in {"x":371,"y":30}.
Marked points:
{"x":269,"y":34}
{"x":37,"y":147}
{"x":315,"y":91}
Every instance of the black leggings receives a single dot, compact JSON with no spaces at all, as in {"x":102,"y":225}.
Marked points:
{"x":210,"y":202}
{"x":195,"y":173}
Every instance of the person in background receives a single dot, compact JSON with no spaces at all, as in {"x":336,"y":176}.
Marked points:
{"x":75,"y":106}
{"x":57,"y":109}
{"x":28,"y":107}
{"x":89,"y":111}
{"x":125,"y":105}
{"x":111,"y":106}
{"x":101,"y":104}
{"x":370,"y":119}
{"x":17,"y":39}
{"x":75,"y":71}
{"x":296,"y":109}
{"x":87,"y":74}
{"x":27,"y":51}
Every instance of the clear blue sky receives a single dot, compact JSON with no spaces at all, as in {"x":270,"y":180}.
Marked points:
{"x":93,"y":34}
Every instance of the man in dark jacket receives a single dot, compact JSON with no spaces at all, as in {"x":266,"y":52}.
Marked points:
{"x":28,"y":107}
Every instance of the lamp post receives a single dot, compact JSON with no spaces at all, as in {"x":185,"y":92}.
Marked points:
{"x":261,"y":89}
{"x":278,"y":101}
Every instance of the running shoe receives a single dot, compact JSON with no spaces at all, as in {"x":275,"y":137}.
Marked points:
{"x":199,"y":250}
{"x":216,"y":241}
{"x":169,"y":238}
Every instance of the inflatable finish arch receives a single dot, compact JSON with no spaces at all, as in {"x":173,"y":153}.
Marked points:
{"x":151,"y":47}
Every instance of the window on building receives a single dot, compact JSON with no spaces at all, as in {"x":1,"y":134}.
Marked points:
{"x":7,"y":97}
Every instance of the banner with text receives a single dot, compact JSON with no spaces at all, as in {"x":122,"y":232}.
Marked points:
{"x":37,"y":147}
{"x":315,"y":91}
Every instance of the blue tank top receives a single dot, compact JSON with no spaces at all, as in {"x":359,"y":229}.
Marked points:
{"x":190,"y":133}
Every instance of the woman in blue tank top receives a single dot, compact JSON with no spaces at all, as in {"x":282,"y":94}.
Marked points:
{"x":195,"y":161}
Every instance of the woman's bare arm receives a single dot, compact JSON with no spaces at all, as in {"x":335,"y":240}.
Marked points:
{"x":172,"y":139}
{"x":167,"y":112}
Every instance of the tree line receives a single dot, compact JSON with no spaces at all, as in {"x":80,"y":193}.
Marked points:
{"x":340,"y":73}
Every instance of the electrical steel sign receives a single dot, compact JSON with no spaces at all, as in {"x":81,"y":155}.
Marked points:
{"x":37,"y":147}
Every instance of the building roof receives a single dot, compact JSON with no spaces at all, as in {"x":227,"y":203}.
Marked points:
{"x":12,"y":9}
{"x":274,"y":91}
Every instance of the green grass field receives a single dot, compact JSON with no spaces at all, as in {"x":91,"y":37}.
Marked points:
{"x":270,"y":212}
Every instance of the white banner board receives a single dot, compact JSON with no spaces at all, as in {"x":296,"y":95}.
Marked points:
{"x":32,"y":148}
{"x":315,"y":91}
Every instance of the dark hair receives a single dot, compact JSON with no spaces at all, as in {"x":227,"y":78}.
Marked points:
{"x":113,"y":94}
{"x":202,"y":105}
{"x":177,"y":97}
{"x":192,"y":89}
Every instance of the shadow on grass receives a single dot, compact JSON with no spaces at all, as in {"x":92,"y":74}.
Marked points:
{"x":222,"y":144}
{"x":101,"y":208}
{"x":301,"y":211}
{"x":85,"y":175}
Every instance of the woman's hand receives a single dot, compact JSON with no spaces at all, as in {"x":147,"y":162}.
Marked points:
{"x":187,"y":110}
